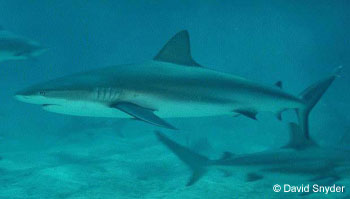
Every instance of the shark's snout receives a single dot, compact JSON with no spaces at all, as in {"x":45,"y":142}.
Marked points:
{"x":21,"y":98}
{"x":29,"y":96}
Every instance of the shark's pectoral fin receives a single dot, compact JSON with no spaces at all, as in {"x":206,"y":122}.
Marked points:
{"x":177,"y":51}
{"x":247,"y":113}
{"x":252,"y":177}
{"x":141,"y":113}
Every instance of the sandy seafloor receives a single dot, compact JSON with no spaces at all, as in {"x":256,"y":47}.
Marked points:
{"x":111,"y":159}
{"x":46,"y":155}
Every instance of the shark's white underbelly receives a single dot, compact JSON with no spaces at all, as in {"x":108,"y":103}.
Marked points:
{"x":164,"y":109}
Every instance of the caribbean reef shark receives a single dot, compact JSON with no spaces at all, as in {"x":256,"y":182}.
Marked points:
{"x":13,"y":47}
{"x":301,"y":156}
{"x":170,"y":85}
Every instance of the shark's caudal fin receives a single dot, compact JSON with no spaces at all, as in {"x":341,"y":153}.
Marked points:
{"x":297,"y":139}
{"x":311,"y":96}
{"x":196,"y":162}
{"x":177,"y":50}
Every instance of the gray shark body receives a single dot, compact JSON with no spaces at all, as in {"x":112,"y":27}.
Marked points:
{"x":171,"y":85}
{"x":301,"y":157}
{"x":13,"y":47}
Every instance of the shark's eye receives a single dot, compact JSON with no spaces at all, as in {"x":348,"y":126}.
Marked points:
{"x":42,"y":93}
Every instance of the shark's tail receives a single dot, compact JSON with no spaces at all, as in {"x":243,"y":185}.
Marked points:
{"x":311,"y":96}
{"x":196,"y":162}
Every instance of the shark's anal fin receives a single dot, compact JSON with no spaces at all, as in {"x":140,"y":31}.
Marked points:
{"x":141,"y":113}
{"x":252,"y":177}
{"x":247,"y":113}
{"x":177,"y":51}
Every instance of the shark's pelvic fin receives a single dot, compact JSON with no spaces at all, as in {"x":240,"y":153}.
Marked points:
{"x":196,"y":162}
{"x":177,"y":51}
{"x":297,"y":139}
{"x":143,"y":114}
{"x":247,"y":113}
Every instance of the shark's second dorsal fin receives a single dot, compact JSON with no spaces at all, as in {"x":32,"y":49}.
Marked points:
{"x":298,"y":140}
{"x":177,"y":51}
{"x":279,"y":84}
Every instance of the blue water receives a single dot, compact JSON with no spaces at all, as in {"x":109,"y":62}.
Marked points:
{"x":46,"y":155}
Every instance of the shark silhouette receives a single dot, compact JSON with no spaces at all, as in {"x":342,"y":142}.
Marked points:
{"x":171,"y":85}
{"x":301,"y":156}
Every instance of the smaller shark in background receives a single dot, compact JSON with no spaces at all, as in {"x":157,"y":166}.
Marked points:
{"x":13,"y":47}
{"x":301,"y":156}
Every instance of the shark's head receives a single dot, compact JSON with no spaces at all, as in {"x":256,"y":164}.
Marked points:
{"x":28,"y":50}
{"x":54,"y":92}
{"x":36,"y":95}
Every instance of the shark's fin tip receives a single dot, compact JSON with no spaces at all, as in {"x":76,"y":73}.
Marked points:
{"x":247,"y":113}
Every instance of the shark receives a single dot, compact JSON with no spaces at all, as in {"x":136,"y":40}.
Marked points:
{"x":13,"y":47}
{"x":301,"y":156}
{"x":171,"y":85}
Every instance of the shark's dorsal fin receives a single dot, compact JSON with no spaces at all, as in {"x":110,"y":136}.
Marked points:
{"x":298,"y":140}
{"x":279,"y":84}
{"x":177,"y":50}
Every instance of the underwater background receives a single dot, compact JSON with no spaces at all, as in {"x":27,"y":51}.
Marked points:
{"x":46,"y":155}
